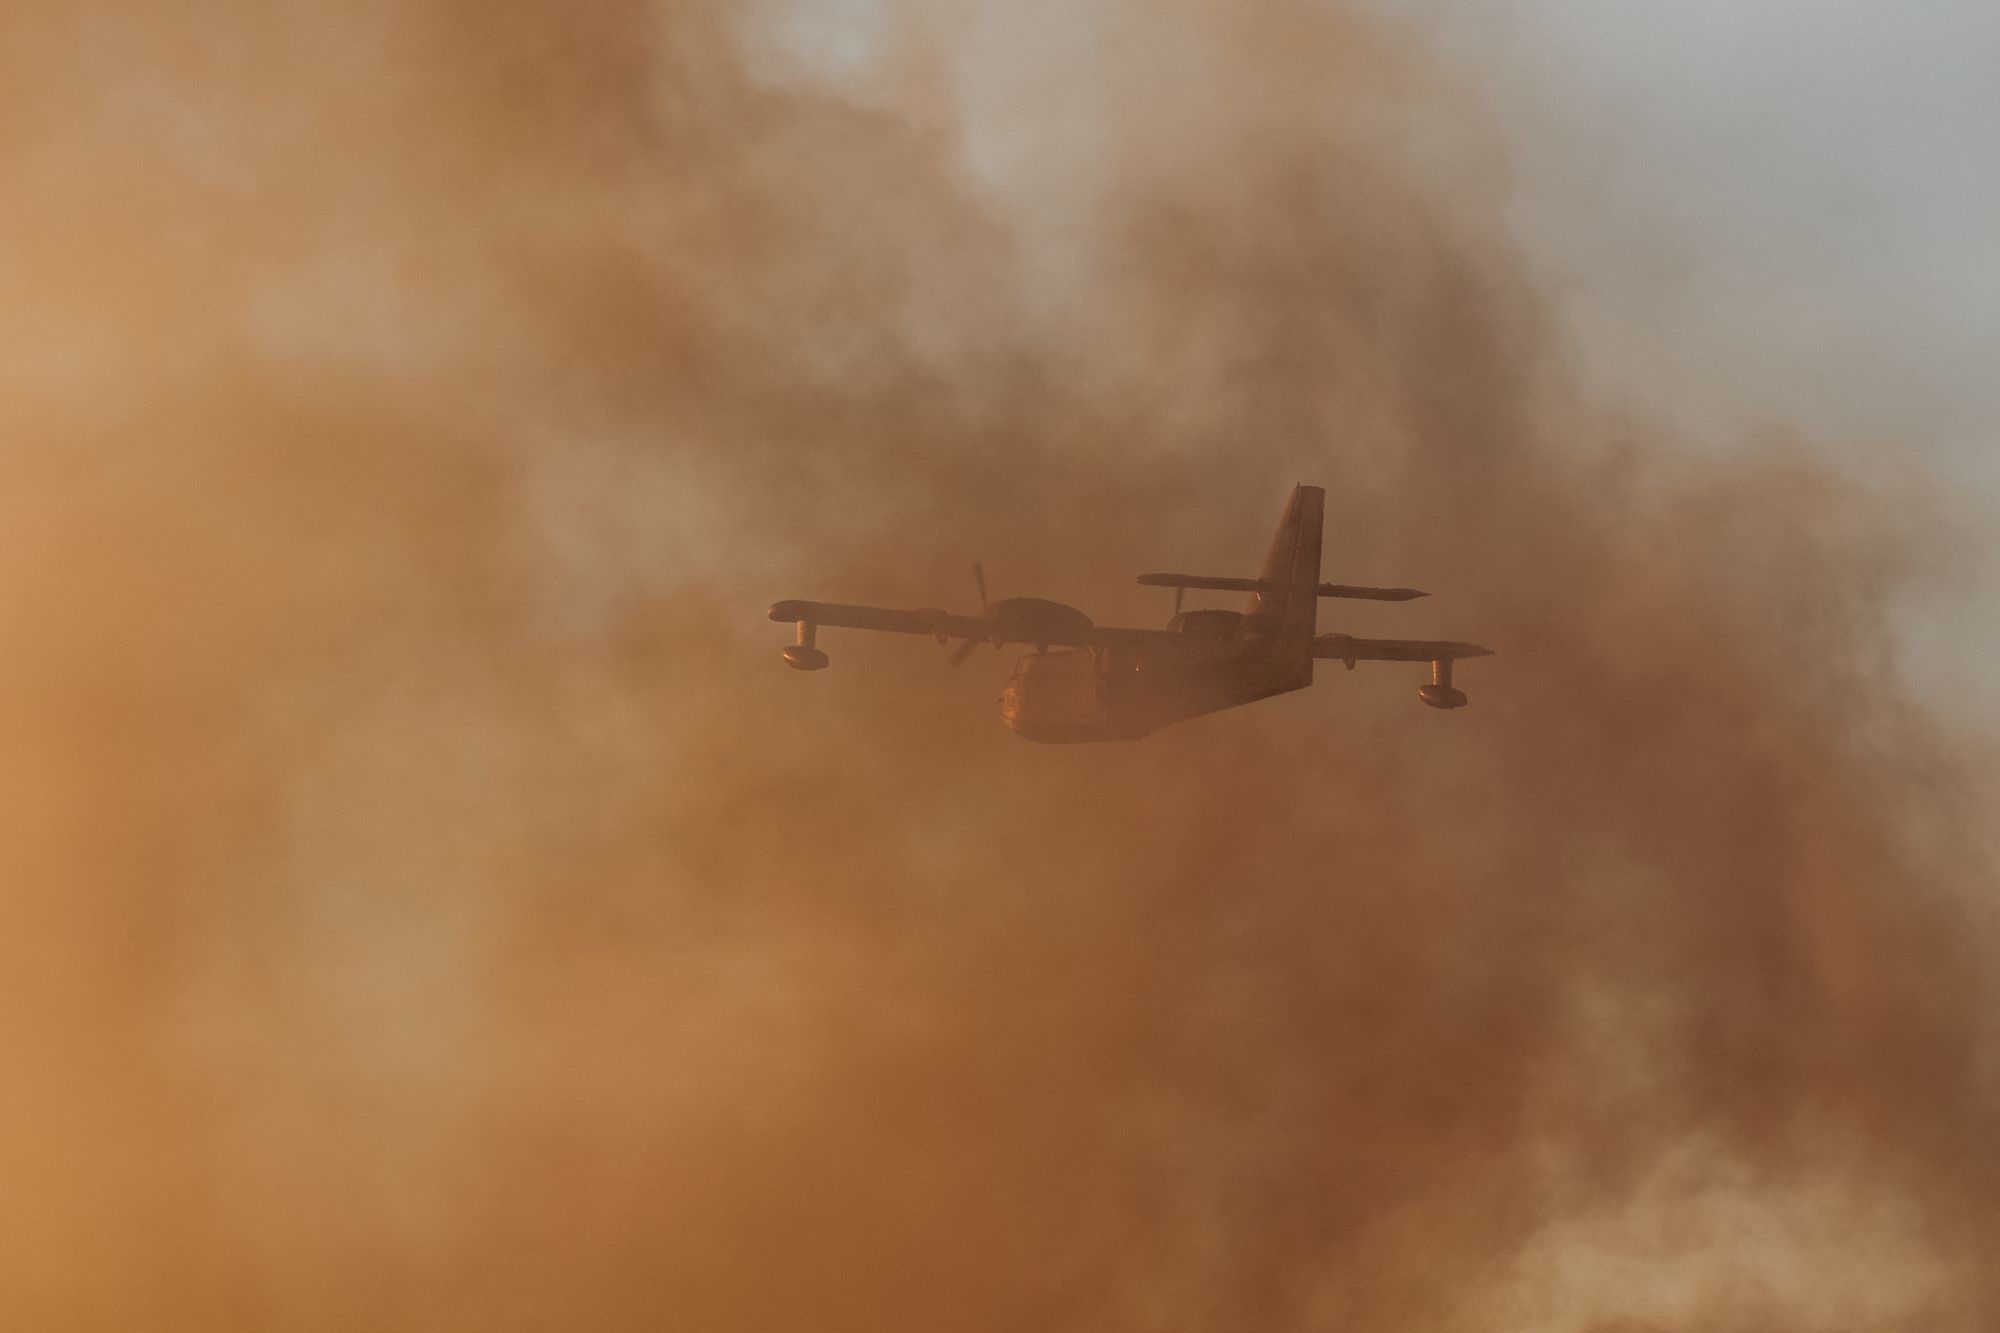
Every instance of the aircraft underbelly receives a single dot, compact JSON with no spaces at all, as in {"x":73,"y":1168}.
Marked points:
{"x":1057,"y":696}
{"x":1074,"y":695}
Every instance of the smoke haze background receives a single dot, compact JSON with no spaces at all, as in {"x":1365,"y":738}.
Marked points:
{"x":1773,"y":217}
{"x":435,"y":906}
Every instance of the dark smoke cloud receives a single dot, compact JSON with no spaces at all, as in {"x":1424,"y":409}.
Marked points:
{"x":435,"y":907}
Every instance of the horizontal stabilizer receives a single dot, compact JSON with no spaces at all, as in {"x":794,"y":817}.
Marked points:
{"x":1369,"y":594}
{"x":1221,"y":584}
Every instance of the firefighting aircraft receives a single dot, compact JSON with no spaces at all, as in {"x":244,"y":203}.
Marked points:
{"x":1087,"y":682}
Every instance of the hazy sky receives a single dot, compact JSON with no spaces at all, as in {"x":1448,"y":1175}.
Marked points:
{"x":1773,"y":215}
{"x":1775,"y":212}
{"x":1788,"y":205}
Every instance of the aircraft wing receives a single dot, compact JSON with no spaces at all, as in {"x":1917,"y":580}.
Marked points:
{"x":1347,"y":648}
{"x":940,"y":625}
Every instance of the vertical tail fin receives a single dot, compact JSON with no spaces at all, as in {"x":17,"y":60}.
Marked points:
{"x":1287,"y":606}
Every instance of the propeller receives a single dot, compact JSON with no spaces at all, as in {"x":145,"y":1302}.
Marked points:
{"x":964,"y":650}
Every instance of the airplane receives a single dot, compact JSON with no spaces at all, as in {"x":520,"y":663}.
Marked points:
{"x":1088,"y":682}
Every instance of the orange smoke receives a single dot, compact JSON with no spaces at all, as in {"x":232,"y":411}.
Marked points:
{"x":435,"y":906}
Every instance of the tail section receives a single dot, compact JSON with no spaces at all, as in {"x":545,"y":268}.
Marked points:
{"x":1286,"y":604}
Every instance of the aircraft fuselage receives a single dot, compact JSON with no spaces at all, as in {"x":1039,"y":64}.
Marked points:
{"x":1122,"y":692}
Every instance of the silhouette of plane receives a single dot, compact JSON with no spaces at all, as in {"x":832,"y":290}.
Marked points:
{"x":1087,"y":682}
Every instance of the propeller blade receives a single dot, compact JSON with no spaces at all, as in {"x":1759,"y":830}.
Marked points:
{"x":1180,"y":595}
{"x":963,"y":651}
{"x":979,"y":581}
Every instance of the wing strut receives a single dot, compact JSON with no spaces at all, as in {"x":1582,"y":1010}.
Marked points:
{"x":803,"y":656}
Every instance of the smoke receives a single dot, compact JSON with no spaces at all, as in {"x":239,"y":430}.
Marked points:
{"x":436,"y":907}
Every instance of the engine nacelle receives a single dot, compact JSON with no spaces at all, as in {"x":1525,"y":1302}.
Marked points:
{"x":1037,"y":620}
{"x":802,"y":658}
